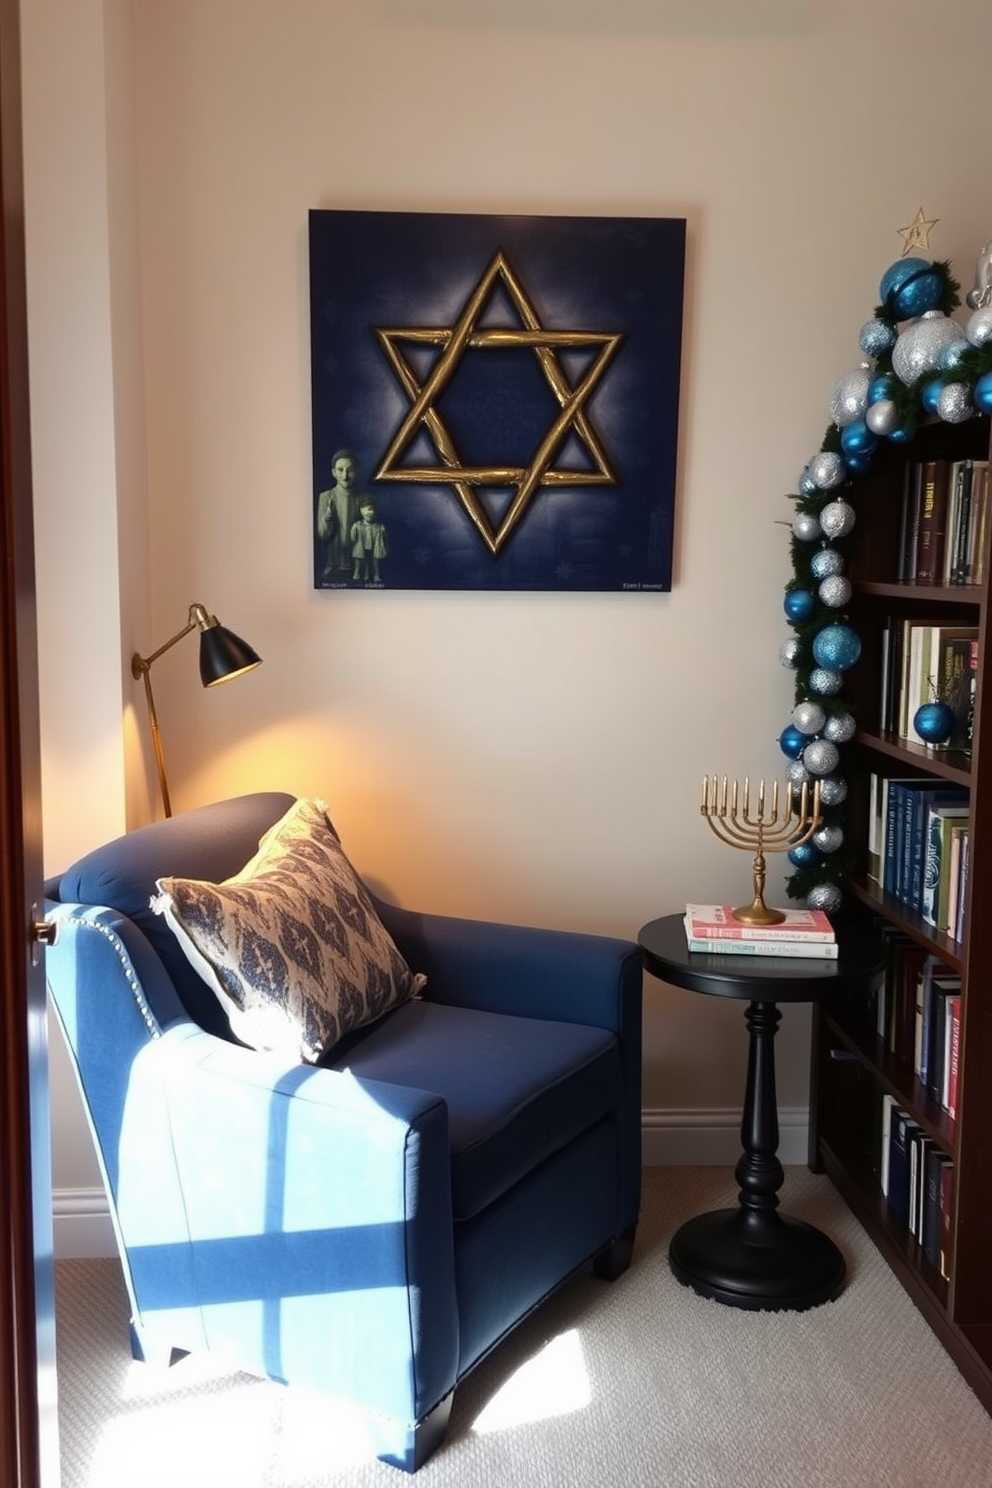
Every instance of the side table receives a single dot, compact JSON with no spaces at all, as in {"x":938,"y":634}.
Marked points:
{"x":753,"y":1256}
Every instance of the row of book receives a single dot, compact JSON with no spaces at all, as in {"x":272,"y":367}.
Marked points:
{"x":919,"y":846}
{"x":917,"y":1179}
{"x":922,"y":662}
{"x":918,"y":1018}
{"x":715,"y":930}
{"x":944,"y":516}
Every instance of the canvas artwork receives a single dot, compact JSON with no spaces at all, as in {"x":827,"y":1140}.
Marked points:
{"x":494,"y":400}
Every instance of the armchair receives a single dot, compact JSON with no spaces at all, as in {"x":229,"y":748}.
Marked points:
{"x":373,"y":1225}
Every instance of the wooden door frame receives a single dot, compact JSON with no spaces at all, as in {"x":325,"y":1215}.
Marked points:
{"x":28,"y":1439}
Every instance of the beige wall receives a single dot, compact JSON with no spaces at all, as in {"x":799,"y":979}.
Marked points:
{"x":535,"y":757}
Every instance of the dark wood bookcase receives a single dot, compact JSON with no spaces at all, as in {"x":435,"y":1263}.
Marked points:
{"x":852,"y":1068}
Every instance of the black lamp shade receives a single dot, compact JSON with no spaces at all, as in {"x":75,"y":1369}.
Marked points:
{"x":224,"y":655}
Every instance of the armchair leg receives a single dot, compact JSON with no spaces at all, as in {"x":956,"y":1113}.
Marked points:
{"x":612,"y":1261}
{"x":412,"y":1448}
{"x":153,"y":1351}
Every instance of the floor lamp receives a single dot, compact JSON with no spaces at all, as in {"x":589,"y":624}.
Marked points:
{"x":223,"y":655}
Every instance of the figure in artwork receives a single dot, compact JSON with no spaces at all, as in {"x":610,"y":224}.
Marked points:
{"x":337,"y":512}
{"x":368,"y":543}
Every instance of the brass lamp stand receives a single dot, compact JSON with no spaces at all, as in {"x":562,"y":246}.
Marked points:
{"x":223,"y":655}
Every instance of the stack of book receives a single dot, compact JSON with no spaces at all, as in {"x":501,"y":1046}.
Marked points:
{"x":803,"y":932}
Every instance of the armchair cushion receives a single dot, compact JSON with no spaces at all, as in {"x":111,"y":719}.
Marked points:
{"x":517,"y":1090}
{"x":291,"y":945}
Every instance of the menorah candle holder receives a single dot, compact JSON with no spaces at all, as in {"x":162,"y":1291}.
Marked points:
{"x":729,"y":813}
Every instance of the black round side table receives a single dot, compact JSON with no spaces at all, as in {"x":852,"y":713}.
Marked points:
{"x":753,"y":1256}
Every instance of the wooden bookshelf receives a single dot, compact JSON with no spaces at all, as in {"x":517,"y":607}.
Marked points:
{"x":852,"y":1068}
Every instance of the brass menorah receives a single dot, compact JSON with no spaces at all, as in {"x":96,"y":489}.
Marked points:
{"x":729,"y":814}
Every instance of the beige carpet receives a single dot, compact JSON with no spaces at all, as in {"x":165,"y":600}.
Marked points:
{"x":641,"y":1384}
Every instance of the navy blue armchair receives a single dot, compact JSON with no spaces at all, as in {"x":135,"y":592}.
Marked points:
{"x":374,"y":1225}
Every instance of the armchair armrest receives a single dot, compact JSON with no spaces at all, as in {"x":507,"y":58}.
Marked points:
{"x":563,"y":975}
{"x":300,"y":1214}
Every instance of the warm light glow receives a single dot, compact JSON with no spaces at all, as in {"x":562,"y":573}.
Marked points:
{"x":554,"y":1382}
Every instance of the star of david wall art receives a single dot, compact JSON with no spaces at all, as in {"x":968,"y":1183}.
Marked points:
{"x":494,"y":400}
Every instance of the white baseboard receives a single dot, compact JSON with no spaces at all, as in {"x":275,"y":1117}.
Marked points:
{"x":84,"y":1231}
{"x":83,"y":1228}
{"x":713,"y":1138}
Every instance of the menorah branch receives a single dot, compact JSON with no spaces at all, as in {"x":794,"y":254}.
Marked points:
{"x":728,"y":811}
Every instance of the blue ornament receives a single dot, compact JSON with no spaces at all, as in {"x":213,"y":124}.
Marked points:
{"x":826,"y":563}
{"x":857,"y":439}
{"x":807,"y":485}
{"x":910,"y":287}
{"x":881,"y":387}
{"x":858,"y":464}
{"x":949,"y":358}
{"x":982,"y":393}
{"x":876,"y":338}
{"x":934,"y":723}
{"x":930,"y":396}
{"x":903,"y":434}
{"x":836,"y":647}
{"x":792,"y":741}
{"x":799,"y":605}
{"x":804,"y":856}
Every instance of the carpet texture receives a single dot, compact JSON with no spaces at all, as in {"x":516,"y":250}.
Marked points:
{"x":638,"y":1384}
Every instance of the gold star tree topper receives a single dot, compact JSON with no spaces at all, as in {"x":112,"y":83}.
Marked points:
{"x":917,"y":234}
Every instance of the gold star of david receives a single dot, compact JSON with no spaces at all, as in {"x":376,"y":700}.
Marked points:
{"x":917,"y":234}
{"x":454,"y":340}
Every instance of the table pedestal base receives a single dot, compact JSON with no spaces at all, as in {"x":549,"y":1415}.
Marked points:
{"x":764,"y":1261}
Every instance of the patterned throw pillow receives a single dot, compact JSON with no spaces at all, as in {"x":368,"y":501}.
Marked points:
{"x":291,"y":945}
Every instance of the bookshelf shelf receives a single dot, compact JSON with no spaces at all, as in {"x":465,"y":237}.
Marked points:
{"x":946,"y":764}
{"x":854,"y":1064}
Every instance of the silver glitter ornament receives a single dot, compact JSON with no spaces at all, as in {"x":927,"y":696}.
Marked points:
{"x":825,"y":682}
{"x":882,"y":417}
{"x":828,"y":839}
{"x":827,"y":470}
{"x":835,"y":591}
{"x":955,"y":403}
{"x":806,"y":527}
{"x":840,"y":727}
{"x":837,"y":518}
{"x":789,"y":651}
{"x":808,"y":717}
{"x":826,"y":563}
{"x":821,"y":757}
{"x":796,"y":773}
{"x":825,"y":896}
{"x":833,"y":791}
{"x":850,"y":397}
{"x":979,"y":327}
{"x":919,"y":346}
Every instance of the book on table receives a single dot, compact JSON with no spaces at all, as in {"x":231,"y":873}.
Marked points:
{"x":804,"y":932}
{"x":717,"y":922}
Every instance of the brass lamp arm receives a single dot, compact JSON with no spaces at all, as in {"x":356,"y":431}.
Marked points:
{"x":197,"y":617}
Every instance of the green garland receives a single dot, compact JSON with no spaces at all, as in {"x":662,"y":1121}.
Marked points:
{"x":972,"y":364}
